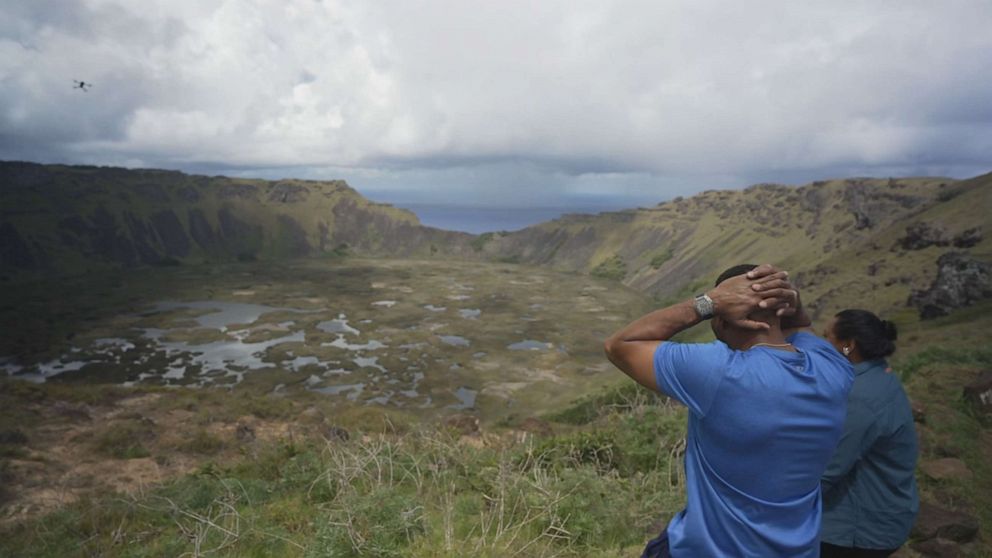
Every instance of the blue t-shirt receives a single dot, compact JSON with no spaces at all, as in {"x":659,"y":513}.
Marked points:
{"x":763,"y":424}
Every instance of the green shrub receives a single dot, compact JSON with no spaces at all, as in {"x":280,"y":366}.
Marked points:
{"x":341,"y":250}
{"x":479,"y":242}
{"x":611,"y":268}
{"x":660,"y":258}
{"x":591,"y":407}
{"x":594,"y":448}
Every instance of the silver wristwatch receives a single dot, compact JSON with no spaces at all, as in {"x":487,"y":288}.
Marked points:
{"x":704,"y":306}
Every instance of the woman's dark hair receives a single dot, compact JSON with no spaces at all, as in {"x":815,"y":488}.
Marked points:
{"x":875,"y":337}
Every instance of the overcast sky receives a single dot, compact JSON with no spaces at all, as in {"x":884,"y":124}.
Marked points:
{"x":504,"y":103}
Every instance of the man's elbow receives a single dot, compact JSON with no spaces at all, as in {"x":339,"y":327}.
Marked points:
{"x":613,"y":348}
{"x":608,"y":346}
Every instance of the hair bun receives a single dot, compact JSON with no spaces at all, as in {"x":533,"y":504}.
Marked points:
{"x":890,"y":330}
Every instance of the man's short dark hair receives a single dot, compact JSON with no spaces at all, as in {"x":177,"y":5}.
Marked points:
{"x":739,"y":269}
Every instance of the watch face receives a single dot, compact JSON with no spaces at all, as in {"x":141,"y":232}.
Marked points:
{"x":704,"y":306}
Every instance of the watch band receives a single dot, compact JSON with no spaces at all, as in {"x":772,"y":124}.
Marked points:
{"x":704,"y":306}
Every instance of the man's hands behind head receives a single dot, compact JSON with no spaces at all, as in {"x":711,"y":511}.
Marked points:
{"x":778,"y":293}
{"x":765,"y":288}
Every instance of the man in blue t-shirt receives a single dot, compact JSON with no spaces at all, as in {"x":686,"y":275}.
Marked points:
{"x":766,"y":409}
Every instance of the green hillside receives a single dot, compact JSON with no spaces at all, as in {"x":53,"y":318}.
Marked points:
{"x":831,"y":230}
{"x":68,"y":219}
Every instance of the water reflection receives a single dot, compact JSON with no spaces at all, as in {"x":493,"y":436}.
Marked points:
{"x":529,"y":345}
{"x":221,"y":313}
{"x":470,"y":313}
{"x":454,"y":340}
{"x":338,"y":325}
{"x":354,"y":389}
{"x":466,"y":398}
{"x":221,"y":355}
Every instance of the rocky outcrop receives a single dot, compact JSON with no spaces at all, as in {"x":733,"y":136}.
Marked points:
{"x":947,"y":468}
{"x":961,"y":281}
{"x":940,"y":529}
{"x":870,"y":206}
{"x":284,"y":192}
{"x":938,"y":548}
{"x":244,"y":433}
{"x":919,"y":411}
{"x":923,"y":235}
{"x":968,"y":238}
{"x":238,"y":190}
{"x":978,"y":394}
{"x":336,"y":434}
{"x":462,"y":424}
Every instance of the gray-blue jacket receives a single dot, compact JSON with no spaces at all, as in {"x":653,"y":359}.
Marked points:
{"x":869,"y":486}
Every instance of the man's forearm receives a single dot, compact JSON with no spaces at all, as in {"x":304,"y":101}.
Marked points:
{"x":660,"y":325}
{"x":632,"y":348}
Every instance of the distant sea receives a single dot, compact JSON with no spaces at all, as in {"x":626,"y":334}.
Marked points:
{"x":477,"y":220}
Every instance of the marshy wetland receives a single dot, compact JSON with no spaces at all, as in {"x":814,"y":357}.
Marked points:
{"x":138,"y":381}
{"x":418,"y":335}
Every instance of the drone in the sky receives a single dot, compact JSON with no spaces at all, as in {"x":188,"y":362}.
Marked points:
{"x":83,"y":85}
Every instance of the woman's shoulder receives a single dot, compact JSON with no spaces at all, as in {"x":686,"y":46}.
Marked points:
{"x":879,"y":386}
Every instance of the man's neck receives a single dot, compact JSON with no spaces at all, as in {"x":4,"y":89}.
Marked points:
{"x":771,"y":338}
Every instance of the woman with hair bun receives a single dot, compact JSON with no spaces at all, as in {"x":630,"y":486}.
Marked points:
{"x":869,"y":488}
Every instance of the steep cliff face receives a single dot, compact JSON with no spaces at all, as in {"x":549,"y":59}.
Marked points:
{"x":61,"y":218}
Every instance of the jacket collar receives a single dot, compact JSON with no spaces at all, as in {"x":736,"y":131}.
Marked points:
{"x":864,"y":366}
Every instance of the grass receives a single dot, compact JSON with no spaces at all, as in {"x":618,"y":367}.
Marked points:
{"x":201,"y":442}
{"x":951,"y":352}
{"x":123,"y":439}
{"x":593,"y":491}
{"x":599,"y":487}
{"x":940,"y":356}
{"x":591,"y":407}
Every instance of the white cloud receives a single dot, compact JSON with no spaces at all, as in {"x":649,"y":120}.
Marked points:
{"x":686,"y":90}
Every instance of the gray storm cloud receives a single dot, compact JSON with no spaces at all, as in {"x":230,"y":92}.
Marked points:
{"x":705,"y":89}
